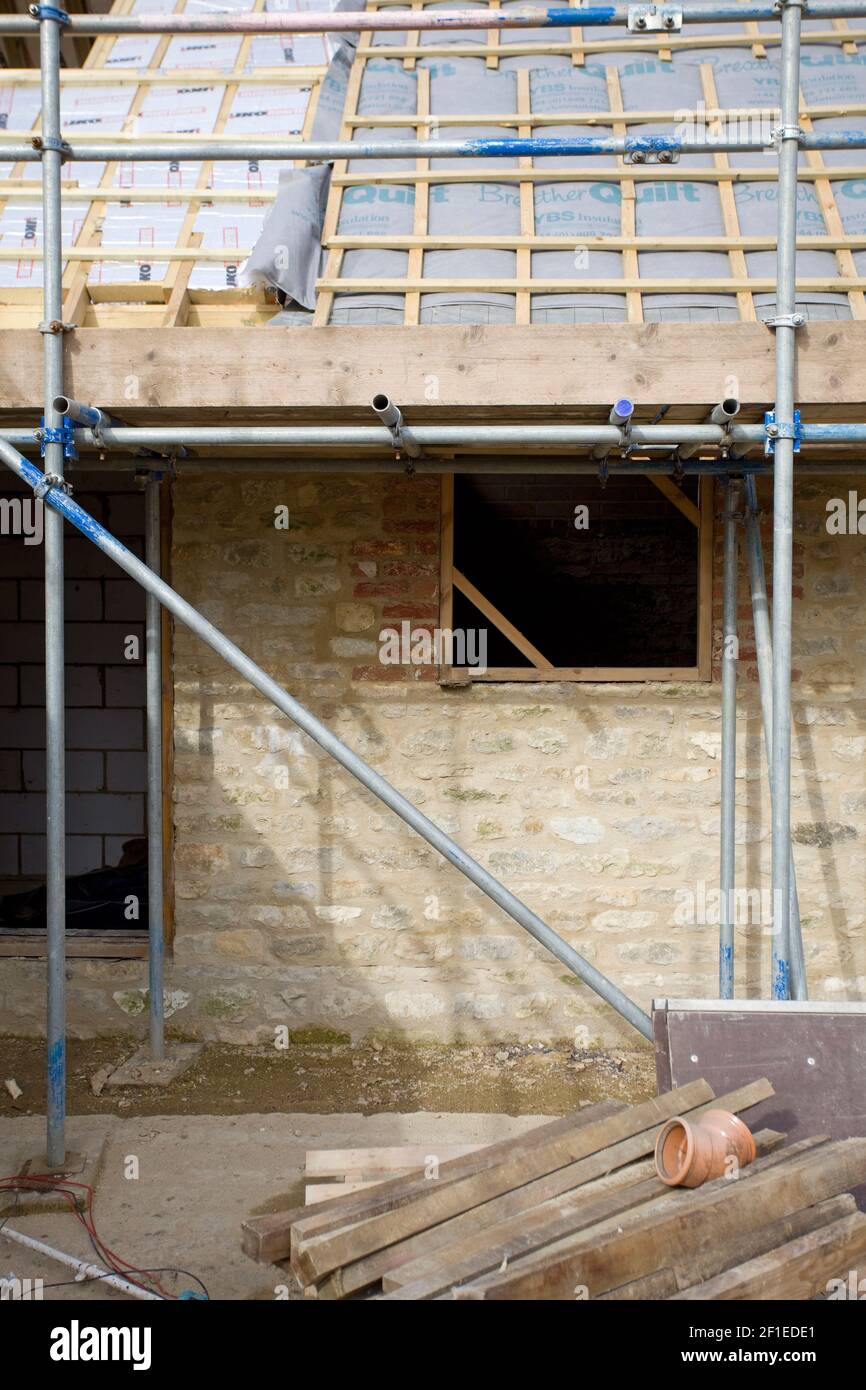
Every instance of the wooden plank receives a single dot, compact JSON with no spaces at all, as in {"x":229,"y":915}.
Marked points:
{"x":332,"y":1163}
{"x":819,"y":284}
{"x":587,"y":673}
{"x":76,"y":290}
{"x":444,"y":241}
{"x":80,"y":253}
{"x":832,"y":220}
{"x":675,"y":495}
{"x":575,"y":174}
{"x":634,"y":116}
{"x":730,"y":215}
{"x":413,"y":37}
{"x":415,"y":266}
{"x":386,"y":1264}
{"x":493,"y":39}
{"x":747,"y":1245}
{"x":500,"y":1245}
{"x":314,"y":1256}
{"x":539,"y":371}
{"x":86,"y":945}
{"x":620,"y":1166}
{"x":493,"y":615}
{"x":628,"y":200}
{"x":660,"y":1284}
{"x":517,"y":48}
{"x":267,"y":1238}
{"x":397,"y":1191}
{"x":530,"y":1229}
{"x":664,"y":1232}
{"x":798,"y":1270}
{"x":296,"y":76}
{"x":316,"y":1192}
{"x":177,"y":309}
{"x":446,"y":562}
{"x":520,"y":1255}
{"x":324,"y":302}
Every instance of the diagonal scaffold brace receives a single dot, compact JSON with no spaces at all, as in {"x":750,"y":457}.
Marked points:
{"x":62,"y":504}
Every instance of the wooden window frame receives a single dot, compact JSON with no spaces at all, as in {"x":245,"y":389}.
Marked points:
{"x":126,"y":945}
{"x":450,"y":578}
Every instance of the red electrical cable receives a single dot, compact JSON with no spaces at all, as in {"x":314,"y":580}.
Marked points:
{"x":117,"y":1265}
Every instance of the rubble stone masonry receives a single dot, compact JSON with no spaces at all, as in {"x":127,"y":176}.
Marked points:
{"x":303,"y":903}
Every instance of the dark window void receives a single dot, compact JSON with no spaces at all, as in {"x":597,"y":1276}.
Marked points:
{"x":106,"y":849}
{"x":619,"y":589}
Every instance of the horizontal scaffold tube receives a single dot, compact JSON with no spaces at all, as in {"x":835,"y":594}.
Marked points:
{"x":451,"y":436}
{"x":57,"y":498}
{"x":531,"y":17}
{"x":473,"y":463}
{"x":640,"y":148}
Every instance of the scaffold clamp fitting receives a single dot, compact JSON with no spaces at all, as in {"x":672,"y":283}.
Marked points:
{"x":786,"y":321}
{"x":64,"y":435}
{"x":643,"y":18}
{"x":651,"y":157}
{"x":50,"y":142}
{"x":781,"y":430}
{"x":49,"y":12}
{"x":56,"y":326}
{"x":47,"y":482}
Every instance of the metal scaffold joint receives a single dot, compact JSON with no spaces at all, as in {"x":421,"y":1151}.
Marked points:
{"x":781,"y":133}
{"x":49,"y":12}
{"x":43,"y":143}
{"x":64,"y":435}
{"x":783,"y":429}
{"x":645,"y":18}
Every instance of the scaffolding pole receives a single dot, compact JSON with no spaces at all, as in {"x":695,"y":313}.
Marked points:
{"x":637,"y":149}
{"x":316,"y":730}
{"x":671,"y":17}
{"x":563,"y":437}
{"x":55,"y":681}
{"x":153,"y":640}
{"x":764,"y":654}
{"x":729,"y":744}
{"x":784,"y":324}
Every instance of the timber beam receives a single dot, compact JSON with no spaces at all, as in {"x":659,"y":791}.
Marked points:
{"x":498,"y":374}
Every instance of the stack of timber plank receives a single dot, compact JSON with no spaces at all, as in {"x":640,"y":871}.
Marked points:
{"x":573,"y":1210}
{"x":337,"y":1172}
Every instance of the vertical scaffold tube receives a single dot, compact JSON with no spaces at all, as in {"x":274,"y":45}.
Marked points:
{"x":730,"y":655}
{"x":55,"y":692}
{"x":783,"y":492}
{"x":764,"y":654}
{"x":155,"y":925}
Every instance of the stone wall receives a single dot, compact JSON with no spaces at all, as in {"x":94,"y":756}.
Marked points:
{"x":302,"y":903}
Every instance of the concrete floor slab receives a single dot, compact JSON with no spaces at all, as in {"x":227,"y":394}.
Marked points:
{"x":87,"y":1139}
{"x":173,"y":1190}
